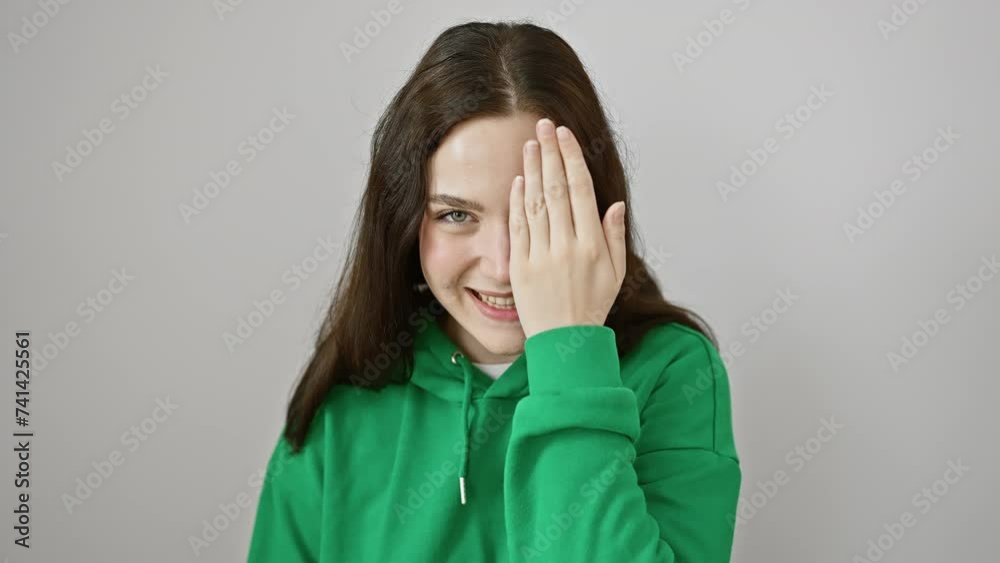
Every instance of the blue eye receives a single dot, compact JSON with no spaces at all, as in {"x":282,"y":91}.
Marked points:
{"x":441,"y":218}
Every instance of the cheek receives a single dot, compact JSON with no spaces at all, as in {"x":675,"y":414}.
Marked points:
{"x":442,"y":256}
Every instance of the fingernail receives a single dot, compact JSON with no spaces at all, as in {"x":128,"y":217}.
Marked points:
{"x":546,"y":126}
{"x":563,"y":132}
{"x":621,"y":214}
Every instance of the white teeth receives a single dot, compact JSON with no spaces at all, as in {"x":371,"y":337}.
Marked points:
{"x":498,"y":302}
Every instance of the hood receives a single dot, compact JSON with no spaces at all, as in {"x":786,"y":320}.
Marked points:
{"x":441,"y":368}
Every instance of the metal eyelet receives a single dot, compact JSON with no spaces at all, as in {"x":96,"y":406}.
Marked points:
{"x":454,"y":357}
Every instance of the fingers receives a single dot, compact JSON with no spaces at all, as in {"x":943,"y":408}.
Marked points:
{"x":517,"y":222}
{"x":583,"y":202}
{"x":534,"y":200}
{"x":614,"y":235}
{"x":554,"y":185}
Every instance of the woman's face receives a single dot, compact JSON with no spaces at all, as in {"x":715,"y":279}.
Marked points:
{"x":466,"y":245}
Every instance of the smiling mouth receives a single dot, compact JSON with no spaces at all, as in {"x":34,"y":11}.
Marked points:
{"x":501,"y":303}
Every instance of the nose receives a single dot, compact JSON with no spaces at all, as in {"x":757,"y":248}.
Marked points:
{"x":495,"y":261}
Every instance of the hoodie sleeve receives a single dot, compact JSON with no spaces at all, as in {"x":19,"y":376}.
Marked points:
{"x":287,"y":525}
{"x":591,"y":477}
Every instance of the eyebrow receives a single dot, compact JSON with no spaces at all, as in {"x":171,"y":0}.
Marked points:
{"x":456,"y":201}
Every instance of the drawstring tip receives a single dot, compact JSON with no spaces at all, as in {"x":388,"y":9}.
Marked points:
{"x":461,"y":488}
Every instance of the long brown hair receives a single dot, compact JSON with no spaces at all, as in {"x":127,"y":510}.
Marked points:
{"x":471,"y":70}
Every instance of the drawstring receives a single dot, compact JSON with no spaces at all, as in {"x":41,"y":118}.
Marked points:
{"x":466,"y":402}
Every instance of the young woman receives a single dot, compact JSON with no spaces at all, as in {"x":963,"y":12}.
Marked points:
{"x":499,"y":377}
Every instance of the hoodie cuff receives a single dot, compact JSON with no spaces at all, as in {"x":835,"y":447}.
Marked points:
{"x":572,"y":357}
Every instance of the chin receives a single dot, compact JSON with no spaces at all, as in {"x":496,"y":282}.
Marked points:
{"x":498,"y":338}
{"x":502,"y":339}
{"x":506,"y":343}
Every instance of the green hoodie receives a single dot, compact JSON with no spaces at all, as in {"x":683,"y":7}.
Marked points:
{"x":571,"y":455}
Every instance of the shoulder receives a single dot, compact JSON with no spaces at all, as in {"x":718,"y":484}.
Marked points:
{"x":347,"y":411}
{"x":288,"y":464}
{"x":308,"y":458}
{"x":688,"y":388}
{"x":676,"y":352}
